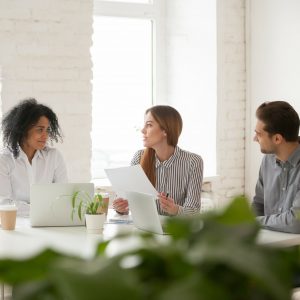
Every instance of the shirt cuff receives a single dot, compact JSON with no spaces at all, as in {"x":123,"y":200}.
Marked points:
{"x":180,"y":210}
{"x":260,"y":219}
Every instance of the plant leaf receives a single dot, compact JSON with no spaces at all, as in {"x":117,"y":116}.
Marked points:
{"x":238,"y":211}
{"x":80,"y":210}
{"x":73,"y":200}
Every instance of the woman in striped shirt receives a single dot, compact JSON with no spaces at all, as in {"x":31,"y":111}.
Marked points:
{"x":176,"y":174}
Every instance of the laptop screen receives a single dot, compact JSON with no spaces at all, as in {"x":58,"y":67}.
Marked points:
{"x":50,"y":204}
{"x":144,"y":212}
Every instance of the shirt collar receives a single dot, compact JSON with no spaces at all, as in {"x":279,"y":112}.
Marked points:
{"x":167,"y":163}
{"x":293,"y":159}
{"x":38,"y":154}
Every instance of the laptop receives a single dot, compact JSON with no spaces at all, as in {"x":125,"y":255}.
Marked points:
{"x":144,"y":212}
{"x":50,"y":204}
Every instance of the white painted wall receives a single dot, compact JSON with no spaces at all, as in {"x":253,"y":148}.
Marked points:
{"x":191,"y":80}
{"x":273,"y":66}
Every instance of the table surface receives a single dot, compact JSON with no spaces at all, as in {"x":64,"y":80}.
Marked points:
{"x":279,"y":239}
{"x":26,"y":241}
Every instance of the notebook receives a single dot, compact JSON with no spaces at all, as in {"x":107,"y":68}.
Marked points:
{"x":50,"y":204}
{"x":144,"y":212}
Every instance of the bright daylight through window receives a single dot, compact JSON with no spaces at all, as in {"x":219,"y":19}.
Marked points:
{"x":146,"y":53}
{"x":122,"y":71}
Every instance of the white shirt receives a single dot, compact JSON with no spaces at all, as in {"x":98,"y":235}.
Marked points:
{"x":17,"y":174}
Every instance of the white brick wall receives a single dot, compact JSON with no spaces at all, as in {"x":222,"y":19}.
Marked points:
{"x":231,"y":98}
{"x":45,"y":54}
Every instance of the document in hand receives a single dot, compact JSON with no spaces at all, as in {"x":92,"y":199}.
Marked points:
{"x":130,"y":179}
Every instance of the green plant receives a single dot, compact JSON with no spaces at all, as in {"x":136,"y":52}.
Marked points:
{"x":212,"y":256}
{"x":83,"y":203}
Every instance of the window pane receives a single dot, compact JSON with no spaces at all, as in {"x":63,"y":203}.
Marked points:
{"x":192,"y":76}
{"x":122,"y":89}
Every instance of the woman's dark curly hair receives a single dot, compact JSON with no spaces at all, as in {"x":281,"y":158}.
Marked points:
{"x":21,"y":118}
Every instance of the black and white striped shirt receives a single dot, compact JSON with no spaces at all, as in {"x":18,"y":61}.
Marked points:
{"x":181,"y":176}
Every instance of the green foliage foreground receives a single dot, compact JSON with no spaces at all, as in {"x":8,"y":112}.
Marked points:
{"x":211,"y":256}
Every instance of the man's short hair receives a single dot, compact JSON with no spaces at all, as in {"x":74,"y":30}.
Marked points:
{"x":279,"y":117}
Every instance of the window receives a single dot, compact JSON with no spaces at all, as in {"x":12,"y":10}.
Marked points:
{"x":122,"y":88}
{"x":191,"y":75}
{"x":146,"y":53}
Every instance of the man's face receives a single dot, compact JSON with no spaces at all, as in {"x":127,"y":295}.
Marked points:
{"x":265,"y":141}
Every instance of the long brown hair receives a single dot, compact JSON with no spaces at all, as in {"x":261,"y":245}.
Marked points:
{"x":170,"y":121}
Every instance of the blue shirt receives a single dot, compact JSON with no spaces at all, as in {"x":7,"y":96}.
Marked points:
{"x":277,"y":193}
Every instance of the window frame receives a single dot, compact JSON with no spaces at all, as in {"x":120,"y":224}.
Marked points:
{"x":153,"y":11}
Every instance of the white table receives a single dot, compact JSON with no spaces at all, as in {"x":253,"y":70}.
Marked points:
{"x":278,"y":239}
{"x":26,"y":241}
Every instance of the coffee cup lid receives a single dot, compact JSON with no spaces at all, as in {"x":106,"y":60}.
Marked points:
{"x":8,"y":207}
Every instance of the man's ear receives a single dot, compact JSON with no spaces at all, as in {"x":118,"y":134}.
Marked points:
{"x":278,"y":138}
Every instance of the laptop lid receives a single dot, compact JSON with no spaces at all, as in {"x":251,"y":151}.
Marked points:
{"x":144,"y":212}
{"x":50,"y":204}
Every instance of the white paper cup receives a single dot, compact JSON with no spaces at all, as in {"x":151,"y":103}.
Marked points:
{"x":8,"y":216}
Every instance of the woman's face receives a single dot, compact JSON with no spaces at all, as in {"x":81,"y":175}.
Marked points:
{"x":153,"y":135}
{"x":37,"y":136}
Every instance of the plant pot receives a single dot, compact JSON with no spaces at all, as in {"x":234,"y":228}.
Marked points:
{"x":94,"y":223}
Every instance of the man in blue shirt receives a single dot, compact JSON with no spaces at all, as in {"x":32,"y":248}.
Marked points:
{"x":277,"y":194}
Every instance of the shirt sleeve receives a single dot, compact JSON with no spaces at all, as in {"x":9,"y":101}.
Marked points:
{"x":192,"y":202}
{"x":5,"y":179}
{"x":136,"y":158}
{"x":60,"y":173}
{"x":258,"y":200}
{"x":287,"y":221}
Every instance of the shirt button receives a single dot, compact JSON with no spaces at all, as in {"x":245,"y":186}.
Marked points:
{"x":283,"y":188}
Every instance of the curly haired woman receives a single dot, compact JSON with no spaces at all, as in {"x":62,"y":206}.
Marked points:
{"x":27,"y":158}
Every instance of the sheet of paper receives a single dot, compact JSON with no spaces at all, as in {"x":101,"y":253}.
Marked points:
{"x":130,"y":179}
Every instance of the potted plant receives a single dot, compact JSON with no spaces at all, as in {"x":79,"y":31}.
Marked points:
{"x":92,"y":207}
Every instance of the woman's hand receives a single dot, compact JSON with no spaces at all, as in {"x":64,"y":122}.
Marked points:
{"x":120,"y":205}
{"x":167,"y":204}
